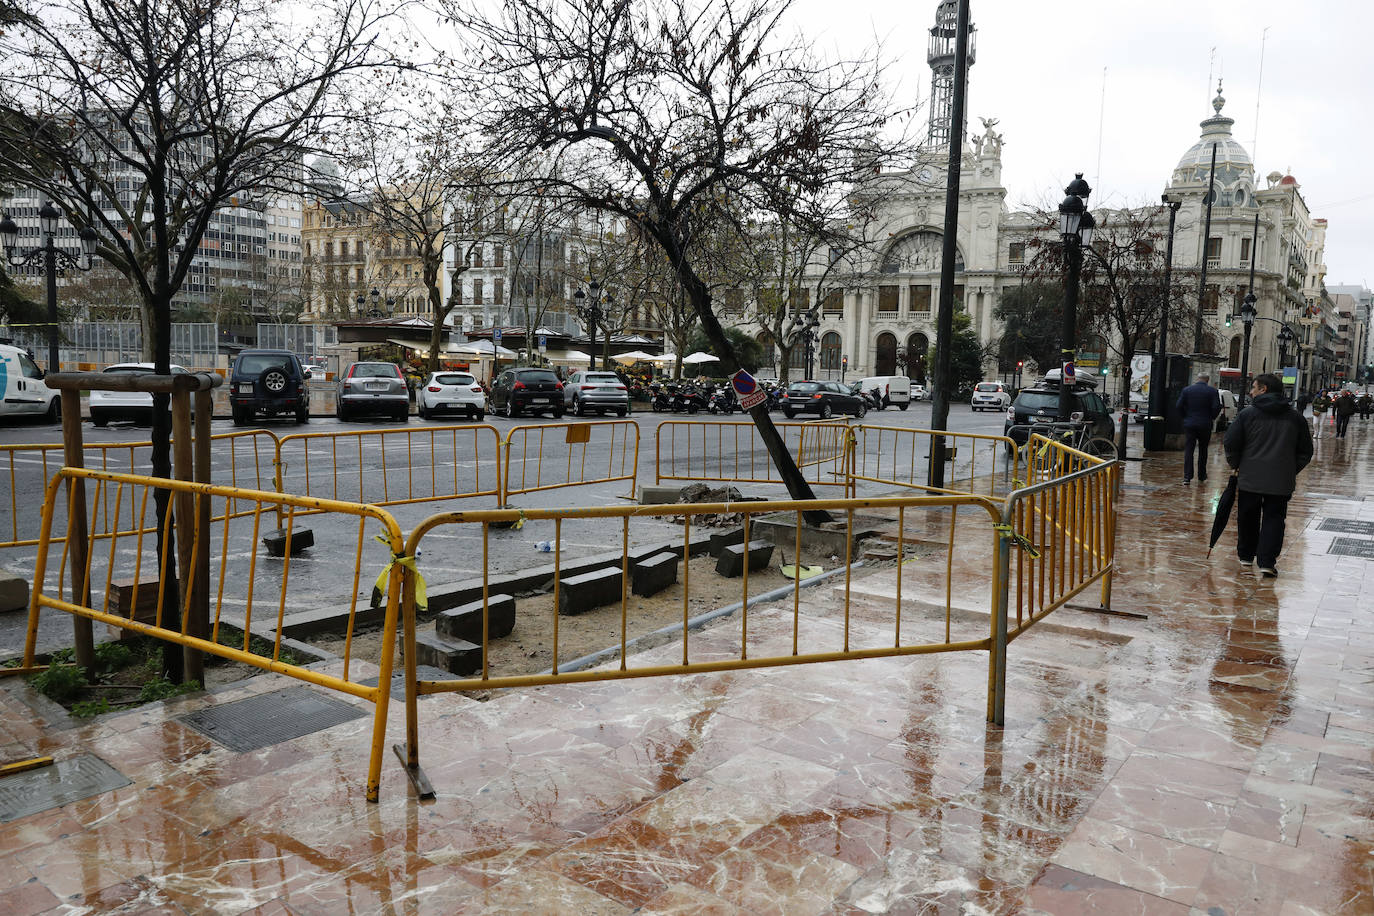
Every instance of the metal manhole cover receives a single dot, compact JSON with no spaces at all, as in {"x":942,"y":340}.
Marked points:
{"x":62,"y":783}
{"x":262,"y":721}
{"x":1352,"y":547}
{"x":423,"y":673}
{"x":1347,"y":526}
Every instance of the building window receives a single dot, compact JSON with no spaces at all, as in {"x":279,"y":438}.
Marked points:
{"x":920,"y":297}
{"x":1210,"y":297}
{"x":1016,"y":253}
{"x":734,"y":301}
{"x":476,"y":292}
{"x":457,"y":297}
{"x":1214,"y":251}
{"x":830,"y":351}
{"x":498,"y":256}
{"x":358,"y":273}
{"x":477,"y":256}
{"x":343,"y":248}
{"x":1245,"y":250}
{"x":887,"y":300}
{"x":800,"y":299}
{"x":834,"y":301}
{"x":498,"y":290}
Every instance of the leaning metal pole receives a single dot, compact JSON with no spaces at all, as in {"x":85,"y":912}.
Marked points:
{"x":1206,"y":234}
{"x":944,"y":325}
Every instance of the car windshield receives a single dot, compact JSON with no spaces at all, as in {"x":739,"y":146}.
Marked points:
{"x":374,"y":370}
{"x":1038,"y":400}
{"x":986,"y":387}
{"x":255,"y":363}
{"x":453,"y":379}
{"x":536,"y":375}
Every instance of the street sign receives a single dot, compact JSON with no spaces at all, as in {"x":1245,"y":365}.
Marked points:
{"x":1067,"y":375}
{"x":1087,"y":359}
{"x":496,"y":336}
{"x":747,"y":390}
{"x":543,"y":341}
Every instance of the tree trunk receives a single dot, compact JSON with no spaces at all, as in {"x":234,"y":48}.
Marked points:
{"x":1125,"y":408}
{"x":172,"y":661}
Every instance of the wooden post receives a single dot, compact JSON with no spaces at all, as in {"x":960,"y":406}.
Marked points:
{"x":184,"y":507}
{"x":73,"y":456}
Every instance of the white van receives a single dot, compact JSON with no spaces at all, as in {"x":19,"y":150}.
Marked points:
{"x":25,"y":393}
{"x":894,"y":389}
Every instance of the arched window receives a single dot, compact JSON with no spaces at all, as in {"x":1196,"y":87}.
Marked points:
{"x":830,"y":352}
{"x":917,"y":346}
{"x":1233,"y":359}
{"x":885,"y":356}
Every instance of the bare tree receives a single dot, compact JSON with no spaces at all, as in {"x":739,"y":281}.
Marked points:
{"x":683,"y":110}
{"x":143,"y":118}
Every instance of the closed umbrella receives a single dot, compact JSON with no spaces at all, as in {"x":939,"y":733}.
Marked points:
{"x":1225,"y":504}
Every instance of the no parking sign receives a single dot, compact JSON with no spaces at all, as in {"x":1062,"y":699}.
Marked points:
{"x":747,"y":390}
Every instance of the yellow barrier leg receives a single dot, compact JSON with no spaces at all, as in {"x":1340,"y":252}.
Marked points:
{"x":409,"y":754}
{"x":20,"y":766}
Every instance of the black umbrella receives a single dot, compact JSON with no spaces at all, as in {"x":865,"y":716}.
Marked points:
{"x":1224,"y":506}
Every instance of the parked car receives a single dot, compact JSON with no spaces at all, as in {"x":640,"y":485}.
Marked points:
{"x":895,"y":389}
{"x":919,"y":392}
{"x":25,"y":393}
{"x":1040,"y":404}
{"x":586,"y":391}
{"x":451,"y":392}
{"x":990,"y":396}
{"x":268,"y":382}
{"x":825,"y":399}
{"x":126,"y":405}
{"x":1228,"y":410}
{"x":372,"y":388}
{"x":527,"y":389}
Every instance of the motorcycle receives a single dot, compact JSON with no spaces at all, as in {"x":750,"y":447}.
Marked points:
{"x":723,"y":401}
{"x":688,"y":400}
{"x":662,"y":400}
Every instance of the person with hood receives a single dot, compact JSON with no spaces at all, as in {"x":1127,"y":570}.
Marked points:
{"x":1344,"y":409}
{"x":1267,"y":445}
{"x":1199,"y":405}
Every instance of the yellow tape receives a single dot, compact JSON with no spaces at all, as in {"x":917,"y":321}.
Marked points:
{"x":380,"y":586}
{"x":1006,"y":531}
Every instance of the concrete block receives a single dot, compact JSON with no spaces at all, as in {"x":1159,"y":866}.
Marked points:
{"x":275,"y":541}
{"x":14,"y":592}
{"x":653,"y":575}
{"x":456,"y":656}
{"x":731,"y":561}
{"x":579,"y":594}
{"x":722,"y":539}
{"x":465,"y":622}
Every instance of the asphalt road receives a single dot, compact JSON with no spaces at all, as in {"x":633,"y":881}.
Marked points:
{"x":380,"y":460}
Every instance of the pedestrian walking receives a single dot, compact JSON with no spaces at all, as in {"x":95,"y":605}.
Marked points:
{"x":1344,"y":408}
{"x":1365,"y":403}
{"x":1268,"y":445}
{"x":1198,"y":405}
{"x":1320,"y":405}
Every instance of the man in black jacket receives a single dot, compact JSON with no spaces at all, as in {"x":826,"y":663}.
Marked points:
{"x":1199,"y":405}
{"x":1269,"y":444}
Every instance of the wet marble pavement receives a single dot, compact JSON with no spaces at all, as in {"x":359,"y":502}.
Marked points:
{"x":1215,"y":757}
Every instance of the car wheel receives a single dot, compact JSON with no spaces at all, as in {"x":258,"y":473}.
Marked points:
{"x":903,"y":406}
{"x":302,"y":415}
{"x":100,"y":419}
{"x":54,"y":412}
{"x":622,"y":411}
{"x":340,"y":414}
{"x":826,"y":412}
{"x":511,"y":410}
{"x":579,"y":408}
{"x":861,"y":411}
{"x":241,"y":417}
{"x":481,"y":415}
{"x":789,"y":414}
{"x":558,"y":414}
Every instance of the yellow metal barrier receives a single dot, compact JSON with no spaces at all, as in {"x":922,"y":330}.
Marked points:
{"x":731,"y":450}
{"x":901,"y":457}
{"x":556,"y":455}
{"x":844,"y":621}
{"x":390,"y":467}
{"x":251,"y":456}
{"x":228,"y":562}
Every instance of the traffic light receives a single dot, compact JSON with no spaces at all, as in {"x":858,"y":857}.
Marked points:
{"x":1104,"y":370}
{"x":1228,"y":319}
{"x":1019,"y":364}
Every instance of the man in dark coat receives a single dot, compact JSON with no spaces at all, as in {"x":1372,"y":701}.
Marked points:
{"x":1269,"y":444}
{"x":1345,"y":409}
{"x":1198,"y":405}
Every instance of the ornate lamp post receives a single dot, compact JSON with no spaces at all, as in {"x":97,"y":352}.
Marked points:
{"x":589,"y":310}
{"x":53,"y":258}
{"x":1155,"y":426}
{"x":1286,"y":338}
{"x":1076,"y":227}
{"x":1247,"y":318}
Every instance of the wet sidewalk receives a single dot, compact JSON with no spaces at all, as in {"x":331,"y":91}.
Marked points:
{"x":1216,"y":756}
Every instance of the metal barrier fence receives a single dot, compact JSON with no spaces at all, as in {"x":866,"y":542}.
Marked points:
{"x":390,"y":467}
{"x":549,"y":457}
{"x":900,"y":456}
{"x":731,"y":450}
{"x":228,"y":558}
{"x":250,"y":454}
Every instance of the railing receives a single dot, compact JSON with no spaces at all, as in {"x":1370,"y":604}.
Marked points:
{"x":557,"y":455}
{"x":227,"y":562}
{"x":731,"y":450}
{"x":900,"y":456}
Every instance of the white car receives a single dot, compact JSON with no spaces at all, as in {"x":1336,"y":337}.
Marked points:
{"x":23,"y":390}
{"x":451,"y":392}
{"x":991,"y":396}
{"x":125,"y":405}
{"x":919,"y":392}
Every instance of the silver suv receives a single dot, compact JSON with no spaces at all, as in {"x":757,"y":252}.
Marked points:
{"x":586,"y":391}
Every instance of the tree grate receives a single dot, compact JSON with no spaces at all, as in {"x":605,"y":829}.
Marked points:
{"x":1347,"y":526}
{"x":262,"y":721}
{"x":64,"y":782}
{"x":1352,"y":547}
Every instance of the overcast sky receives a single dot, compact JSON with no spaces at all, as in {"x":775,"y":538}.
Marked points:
{"x":1039,"y":68}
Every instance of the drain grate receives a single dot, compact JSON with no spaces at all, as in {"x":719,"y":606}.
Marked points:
{"x":1352,"y":547}
{"x":422,"y":673}
{"x":262,"y":721}
{"x":1347,"y":526}
{"x":61,"y":784}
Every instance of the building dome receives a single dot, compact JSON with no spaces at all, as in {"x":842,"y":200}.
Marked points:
{"x":1235,"y":171}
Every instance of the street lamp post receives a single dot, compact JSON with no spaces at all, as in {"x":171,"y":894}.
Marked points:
{"x":53,"y":259}
{"x":1247,"y":318}
{"x":1155,"y":425}
{"x":590,"y":311}
{"x":1076,"y":226}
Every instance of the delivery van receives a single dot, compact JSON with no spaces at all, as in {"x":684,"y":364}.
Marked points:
{"x":892,"y":389}
{"x":25,"y":393}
